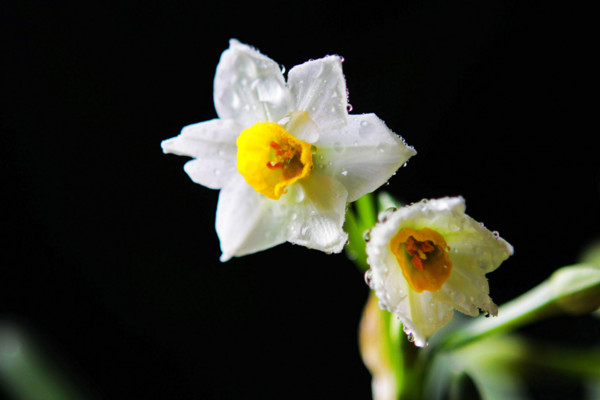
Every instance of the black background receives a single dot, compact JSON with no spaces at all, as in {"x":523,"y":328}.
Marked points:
{"x":110,"y":253}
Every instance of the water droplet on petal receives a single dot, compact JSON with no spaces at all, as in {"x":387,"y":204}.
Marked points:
{"x":217,"y":171}
{"x":369,"y":278}
{"x":366,"y":128}
{"x":304,"y":230}
{"x":349,"y":107}
{"x":385,"y":214}
{"x":338,"y":147}
{"x":458,"y":297}
{"x":345,"y":172}
{"x":299,"y":195}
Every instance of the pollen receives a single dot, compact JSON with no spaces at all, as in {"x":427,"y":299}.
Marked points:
{"x":422,"y":255}
{"x":270,"y":159}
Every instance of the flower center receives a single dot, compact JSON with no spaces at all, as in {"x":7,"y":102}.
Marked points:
{"x":422,"y":255}
{"x":270,"y":159}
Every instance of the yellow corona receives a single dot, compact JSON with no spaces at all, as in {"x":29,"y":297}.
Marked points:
{"x":270,"y":159}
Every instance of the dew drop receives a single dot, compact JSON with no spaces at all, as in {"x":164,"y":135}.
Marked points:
{"x":304,"y":230}
{"x":338,"y":147}
{"x":369,"y":278}
{"x":349,"y":107}
{"x":385,"y":214}
{"x":367,"y":236}
{"x":282,"y":69}
{"x":454,"y":227}
{"x":366,"y":128}
{"x":345,"y":172}
{"x":299,"y":195}
{"x":220,"y":152}
{"x":217,"y":171}
{"x":381,"y":148}
{"x":410,"y":337}
{"x":496,"y":234}
{"x":458,"y":297}
{"x":294,"y":216}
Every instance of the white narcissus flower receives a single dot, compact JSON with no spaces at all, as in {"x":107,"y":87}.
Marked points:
{"x":430,"y":258}
{"x":287,"y":156}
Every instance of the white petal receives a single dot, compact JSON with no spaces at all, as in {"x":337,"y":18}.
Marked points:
{"x":299,"y":125}
{"x":319,"y":88}
{"x":249,"y":87}
{"x":422,"y":316}
{"x":363,"y":155}
{"x":487,"y":247}
{"x":318,"y":213}
{"x":467,"y":287}
{"x":212,"y":144}
{"x":473,"y":250}
{"x":421,"y":313}
{"x":247,"y":221}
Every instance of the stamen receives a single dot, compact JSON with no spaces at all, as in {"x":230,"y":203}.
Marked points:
{"x":423,"y":258}
{"x":274,"y":165}
{"x":275,"y":145}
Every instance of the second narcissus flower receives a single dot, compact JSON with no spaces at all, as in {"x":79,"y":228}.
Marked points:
{"x":287,"y":156}
{"x":430,"y":258}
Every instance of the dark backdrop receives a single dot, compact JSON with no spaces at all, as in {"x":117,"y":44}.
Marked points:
{"x":110,"y":254}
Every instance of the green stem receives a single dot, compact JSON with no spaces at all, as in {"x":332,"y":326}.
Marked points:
{"x":571,"y":290}
{"x":537,"y":302}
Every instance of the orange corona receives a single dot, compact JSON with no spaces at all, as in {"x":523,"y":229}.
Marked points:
{"x":422,"y":255}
